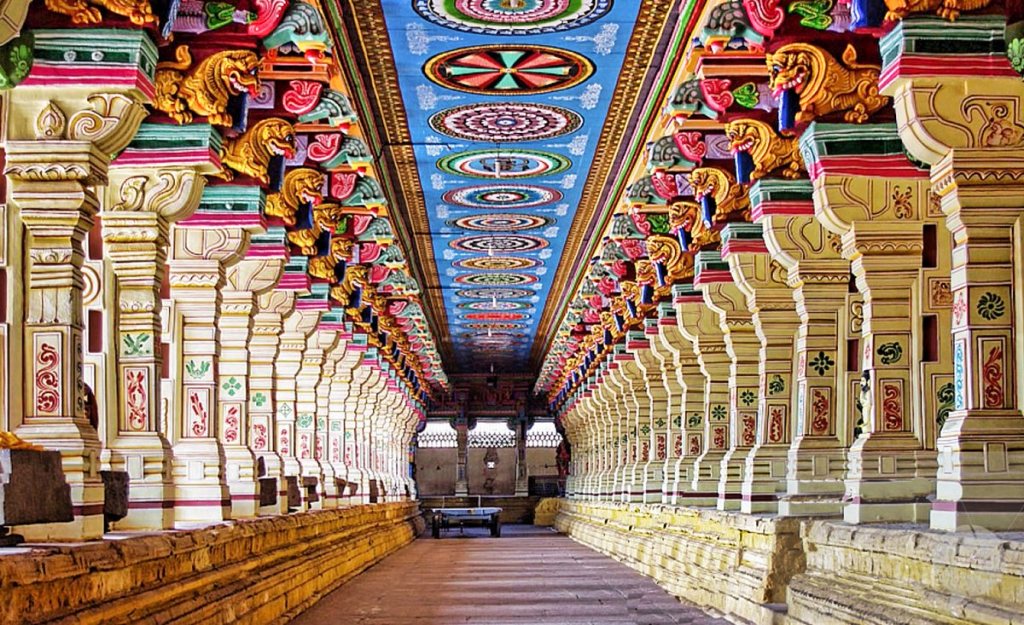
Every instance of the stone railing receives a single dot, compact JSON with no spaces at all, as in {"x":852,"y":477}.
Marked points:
{"x":256,"y":571}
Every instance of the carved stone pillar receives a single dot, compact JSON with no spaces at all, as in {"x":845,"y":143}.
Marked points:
{"x":669,"y":436}
{"x":353,"y":401}
{"x":139,"y":205}
{"x":654,"y":415}
{"x":881,"y":224}
{"x":257,"y":273}
{"x":346,"y":358}
{"x":297,"y":328}
{"x":819,"y":279}
{"x":632,"y":403}
{"x":205,"y":247}
{"x":723,"y":297}
{"x":60,"y":141}
{"x":699,"y":325}
{"x":309,"y":423}
{"x":773,"y":312}
{"x":963,"y":114}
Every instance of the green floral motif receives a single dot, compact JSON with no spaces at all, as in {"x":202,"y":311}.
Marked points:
{"x":285,"y":411}
{"x":321,"y":423}
{"x":304,"y":421}
{"x":15,"y":61}
{"x":136,"y":344}
{"x":259,"y":399}
{"x":813,"y":13}
{"x":946,"y":396}
{"x":348,"y":434}
{"x":336,"y":426}
{"x":747,"y":397}
{"x":231,"y":386}
{"x":694,"y":420}
{"x":991,"y":306}
{"x":678,"y":421}
{"x":1016,"y":53}
{"x":645,"y":430}
{"x":718,"y":412}
{"x":197,"y":369}
{"x":746,"y":95}
{"x":776,"y":385}
{"x":660,"y":422}
{"x":822,"y":363}
{"x":659,"y":223}
{"x":889,"y":353}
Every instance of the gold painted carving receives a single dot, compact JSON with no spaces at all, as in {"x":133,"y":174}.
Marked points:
{"x":731,"y":200}
{"x":51,"y":122}
{"x":250,"y":153}
{"x":9,"y":440}
{"x":82,"y":13}
{"x":686,"y":216}
{"x":768,"y":150}
{"x":206,"y":89}
{"x":301,"y":185}
{"x":825,"y":85}
{"x":947,"y":9}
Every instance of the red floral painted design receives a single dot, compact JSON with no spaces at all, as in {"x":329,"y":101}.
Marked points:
{"x":302,"y":96}
{"x":820,"y":409}
{"x":335,"y":450}
{"x":47,"y":379}
{"x":692,"y":146}
{"x":323,"y":147}
{"x":284,"y":442}
{"x":716,"y":93}
{"x":304,"y":445}
{"x":231,"y":420}
{"x":136,"y":399}
{"x":645,"y":451}
{"x":892,"y":406}
{"x":718,"y":438}
{"x":775,"y":425}
{"x":259,"y":437}
{"x":661,"y":451}
{"x":749,"y":429}
{"x":960,"y":307}
{"x":342,"y":184}
{"x":677,"y":448}
{"x":198,"y":413}
{"x":993,"y":375}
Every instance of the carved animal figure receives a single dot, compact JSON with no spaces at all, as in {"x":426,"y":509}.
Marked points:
{"x":323,"y":267}
{"x":823,"y":84}
{"x":769,"y":151}
{"x":731,"y":200}
{"x":83,"y":13}
{"x":333,"y":108}
{"x":250,"y":153}
{"x":688,"y":100}
{"x":301,"y":185}
{"x":947,"y":9}
{"x":206,"y":89}
{"x":686,"y":216}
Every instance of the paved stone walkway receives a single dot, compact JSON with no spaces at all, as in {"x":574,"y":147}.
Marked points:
{"x":529,"y":576}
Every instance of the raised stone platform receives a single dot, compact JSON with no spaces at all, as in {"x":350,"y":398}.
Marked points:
{"x":513,"y":509}
{"x":780,"y":571}
{"x":255,"y":571}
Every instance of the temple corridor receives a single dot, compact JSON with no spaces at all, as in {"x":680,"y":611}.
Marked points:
{"x":530,"y":576}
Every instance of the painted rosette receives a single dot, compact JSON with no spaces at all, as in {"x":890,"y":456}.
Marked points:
{"x":521,"y":17}
{"x":495,"y":305}
{"x":494,"y":316}
{"x":508,"y":69}
{"x":496,"y":263}
{"x":496,"y":279}
{"x":494,"y":294}
{"x":510,"y":196}
{"x":501,"y":222}
{"x":505,"y":122}
{"x":499,"y":243}
{"x":508,"y":163}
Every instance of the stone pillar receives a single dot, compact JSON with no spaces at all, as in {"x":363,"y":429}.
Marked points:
{"x":669,"y":438}
{"x":963,"y":116}
{"x":891,"y":464}
{"x":297,"y":328}
{"x":139,"y":205}
{"x":628,"y":381}
{"x":654,"y":441}
{"x":773,"y":312}
{"x":819,"y":278}
{"x":205,"y":247}
{"x":60,"y":139}
{"x":699,"y":325}
{"x":724,"y":298}
{"x":257,"y":273}
{"x":309,"y":423}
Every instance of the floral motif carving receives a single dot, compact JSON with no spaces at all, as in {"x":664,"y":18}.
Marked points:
{"x":892,"y":406}
{"x":47,"y":379}
{"x":86,"y":13}
{"x":992,"y":373}
{"x":991,"y":306}
{"x":136,"y":398}
{"x":822,"y":363}
{"x":821,"y":407}
{"x":945,"y":398}
{"x":776,"y":425}
{"x":749,"y":429}
{"x":890,"y":353}
{"x":948,"y":9}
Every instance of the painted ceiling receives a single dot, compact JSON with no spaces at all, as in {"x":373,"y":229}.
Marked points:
{"x":505,"y":101}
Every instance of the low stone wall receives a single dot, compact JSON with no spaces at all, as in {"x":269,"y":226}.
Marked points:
{"x":776,"y":571}
{"x":733,"y":563}
{"x":258,"y":571}
{"x":863,"y":575}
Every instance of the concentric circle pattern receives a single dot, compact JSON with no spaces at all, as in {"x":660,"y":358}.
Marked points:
{"x":505,"y":163}
{"x":494,"y":305}
{"x":521,"y":17}
{"x":508,"y":196}
{"x":494,"y":316}
{"x":505,"y":121}
{"x":495,"y":326}
{"x":496,"y":263}
{"x":501,"y":222}
{"x":496,"y":279}
{"x":508,"y":69}
{"x":499,"y":243}
{"x":494,"y":294}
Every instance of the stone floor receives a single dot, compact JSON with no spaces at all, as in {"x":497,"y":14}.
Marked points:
{"x":529,"y":576}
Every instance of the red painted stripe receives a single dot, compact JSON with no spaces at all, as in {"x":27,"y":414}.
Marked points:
{"x":743,"y":247}
{"x":910,"y":66}
{"x":219,"y":220}
{"x":688,"y":299}
{"x":714,"y":276}
{"x":305,"y":304}
{"x":44,"y":74}
{"x":87,"y":510}
{"x":781,"y":208}
{"x":166,"y":157}
{"x":267,"y":250}
{"x":890,"y":166}
{"x":637,"y":345}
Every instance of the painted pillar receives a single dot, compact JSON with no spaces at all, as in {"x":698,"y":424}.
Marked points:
{"x":880,"y":219}
{"x":61,"y":136}
{"x":773,"y":313}
{"x":819,"y":278}
{"x":654,"y":441}
{"x":141,"y":202}
{"x":960,"y":111}
{"x":675,"y":400}
{"x":628,"y":380}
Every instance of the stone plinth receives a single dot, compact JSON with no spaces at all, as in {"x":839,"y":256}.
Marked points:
{"x":32,"y":488}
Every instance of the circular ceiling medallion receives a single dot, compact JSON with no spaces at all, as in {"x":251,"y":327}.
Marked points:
{"x":496,"y":279}
{"x":496,"y":263}
{"x":505,"y":163}
{"x":499,"y":339}
{"x":505,"y":121}
{"x":501,"y":222}
{"x":495,"y":305}
{"x":508,"y":69}
{"x":503,"y":17}
{"x":493,"y":294}
{"x":503,"y":196}
{"x":499,"y":243}
{"x":495,"y":326}
{"x":494,"y":316}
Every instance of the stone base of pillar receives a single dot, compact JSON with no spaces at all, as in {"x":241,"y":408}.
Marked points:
{"x":703,"y":487}
{"x":273,"y":467}
{"x":730,"y":479}
{"x":147,"y":460}
{"x":310,"y":468}
{"x":814,"y":479}
{"x":200,"y":495}
{"x":243,"y":487}
{"x":764,"y":479}
{"x":331,"y":492}
{"x":887,"y":483}
{"x":633,"y":483}
{"x":654,"y":482}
